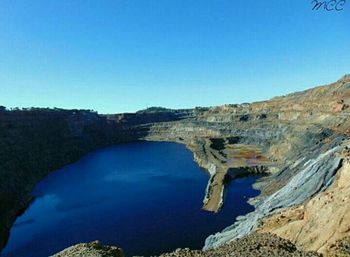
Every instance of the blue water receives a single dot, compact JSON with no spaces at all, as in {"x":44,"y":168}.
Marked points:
{"x":144,"y":197}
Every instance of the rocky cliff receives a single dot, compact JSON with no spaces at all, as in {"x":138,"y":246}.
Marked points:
{"x":300,"y":140}
{"x":35,"y":142}
{"x":307,"y":161}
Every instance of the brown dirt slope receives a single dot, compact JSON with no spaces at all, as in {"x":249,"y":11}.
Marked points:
{"x":319,"y":223}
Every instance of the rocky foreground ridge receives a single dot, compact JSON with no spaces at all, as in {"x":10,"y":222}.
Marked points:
{"x":301,"y":140}
{"x":253,"y":245}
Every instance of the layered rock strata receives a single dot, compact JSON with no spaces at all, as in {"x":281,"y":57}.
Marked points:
{"x":298,"y":139}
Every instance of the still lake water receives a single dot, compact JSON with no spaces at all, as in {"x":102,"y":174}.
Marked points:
{"x":145,"y":197}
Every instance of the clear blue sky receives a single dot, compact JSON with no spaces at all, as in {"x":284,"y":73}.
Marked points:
{"x":125,"y":55}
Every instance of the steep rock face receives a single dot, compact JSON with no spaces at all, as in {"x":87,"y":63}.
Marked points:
{"x":307,"y":158}
{"x":321,"y":221}
{"x":35,"y":142}
{"x":281,"y":131}
{"x":314,"y":176}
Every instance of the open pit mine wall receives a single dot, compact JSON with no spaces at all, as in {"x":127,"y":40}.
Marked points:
{"x":37,"y":141}
{"x":311,"y":174}
{"x":300,"y":134}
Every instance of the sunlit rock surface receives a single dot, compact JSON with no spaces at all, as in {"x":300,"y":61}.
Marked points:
{"x":93,"y":249}
{"x":257,"y":245}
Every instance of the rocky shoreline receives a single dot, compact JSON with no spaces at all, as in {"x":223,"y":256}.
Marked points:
{"x":299,"y":139}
